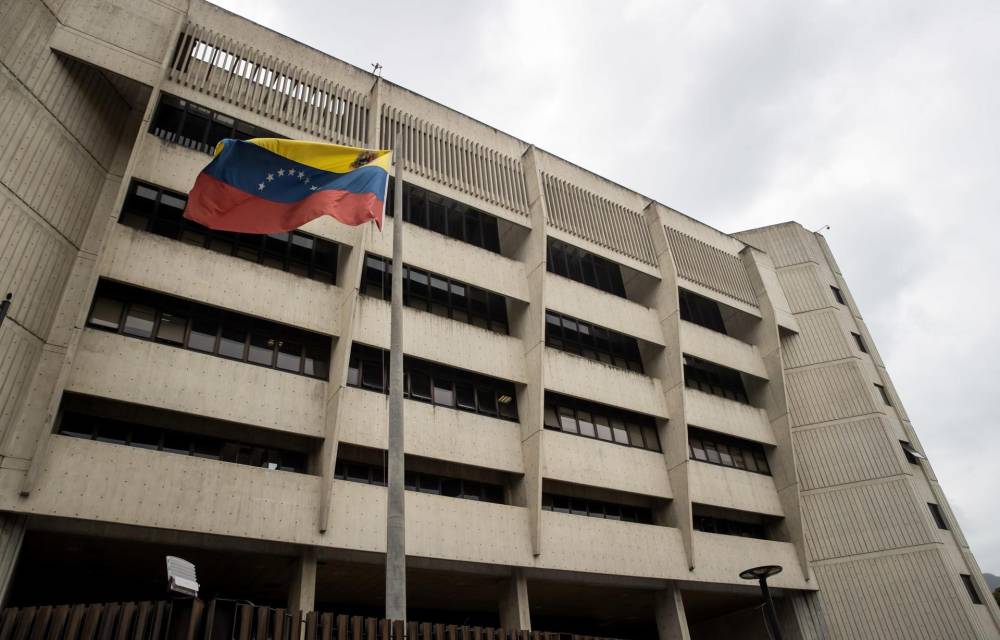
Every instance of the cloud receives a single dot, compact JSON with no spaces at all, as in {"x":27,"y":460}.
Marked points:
{"x":878,"y":119}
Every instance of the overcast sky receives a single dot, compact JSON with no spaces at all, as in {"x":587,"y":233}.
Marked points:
{"x":879,"y":119}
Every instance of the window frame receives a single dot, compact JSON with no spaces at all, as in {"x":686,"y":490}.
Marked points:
{"x":613,"y":419}
{"x":574,"y":263}
{"x":622,"y":351}
{"x":731,"y":446}
{"x":192,"y":312}
{"x":484,"y":387}
{"x":459,"y":307}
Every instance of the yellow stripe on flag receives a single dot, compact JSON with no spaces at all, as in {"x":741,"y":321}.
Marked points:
{"x":320,"y":155}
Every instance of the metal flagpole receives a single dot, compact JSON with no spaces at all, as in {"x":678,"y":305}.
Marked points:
{"x":395,"y":543}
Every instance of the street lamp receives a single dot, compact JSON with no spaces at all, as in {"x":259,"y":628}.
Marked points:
{"x":761,"y":574}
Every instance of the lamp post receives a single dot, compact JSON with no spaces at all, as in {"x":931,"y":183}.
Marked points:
{"x":761,"y":574}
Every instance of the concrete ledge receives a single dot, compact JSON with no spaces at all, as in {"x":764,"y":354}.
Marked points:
{"x":131,"y":370}
{"x":425,"y":249}
{"x":603,"y":309}
{"x":727,"y":416}
{"x":196,"y":273}
{"x":443,"y":340}
{"x":720,"y":486}
{"x":721,"y":349}
{"x":602,"y":464}
{"x":582,"y":378}
{"x":433,"y":432}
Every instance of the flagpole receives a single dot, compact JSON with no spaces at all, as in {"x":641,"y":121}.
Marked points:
{"x":395,"y":547}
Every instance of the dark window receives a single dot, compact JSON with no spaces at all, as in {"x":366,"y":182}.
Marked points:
{"x":596,"y":508}
{"x":590,"y":341}
{"x":912,"y":455}
{"x":191,"y":325}
{"x":197,"y":127}
{"x":422,"y":482}
{"x":429,"y":382}
{"x":80,"y":425}
{"x":599,"y":421}
{"x":726,"y":527}
{"x":700,"y":310}
{"x":149,"y":208}
{"x":714,"y":379}
{"x":566,"y":260}
{"x":937,"y":515}
{"x":885,"y":395}
{"x":860,"y":342}
{"x":970,"y":586}
{"x":838,"y":295}
{"x":446,"y":216}
{"x":731,"y":452}
{"x":435,"y":293}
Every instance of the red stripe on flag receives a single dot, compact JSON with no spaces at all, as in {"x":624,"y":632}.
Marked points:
{"x":217,"y":205}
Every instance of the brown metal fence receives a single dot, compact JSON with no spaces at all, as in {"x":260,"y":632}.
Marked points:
{"x":228,"y":620}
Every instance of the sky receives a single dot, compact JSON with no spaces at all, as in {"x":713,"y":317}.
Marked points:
{"x":879,"y":119}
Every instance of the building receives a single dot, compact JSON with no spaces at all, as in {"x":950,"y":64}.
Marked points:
{"x":613,"y":408}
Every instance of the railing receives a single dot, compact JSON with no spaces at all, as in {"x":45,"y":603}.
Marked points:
{"x":229,"y":620}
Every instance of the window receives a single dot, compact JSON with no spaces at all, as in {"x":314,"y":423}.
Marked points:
{"x":434,"y":383}
{"x":80,"y":425}
{"x":970,"y":586}
{"x":728,"y":451}
{"x":912,"y":455}
{"x":189,"y":325}
{"x":714,"y":379}
{"x":592,"y":342}
{"x":701,"y":311}
{"x":885,"y":395}
{"x":596,"y":508}
{"x":568,"y":261}
{"x":860,"y":342}
{"x":422,"y":482}
{"x":156,"y":210}
{"x":599,"y":421}
{"x":446,"y":216}
{"x":838,"y":295}
{"x":440,"y":295}
{"x":938,"y":516}
{"x":727,"y":527}
{"x":197,"y":127}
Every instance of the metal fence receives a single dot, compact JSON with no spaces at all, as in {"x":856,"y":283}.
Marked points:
{"x":228,"y":620}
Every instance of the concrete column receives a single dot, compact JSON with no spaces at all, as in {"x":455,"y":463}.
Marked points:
{"x":302,"y":590}
{"x":514,"y":607}
{"x":671,"y":621}
{"x":11,"y":537}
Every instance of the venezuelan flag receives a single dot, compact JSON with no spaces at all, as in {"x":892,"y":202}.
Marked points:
{"x":267,"y":185}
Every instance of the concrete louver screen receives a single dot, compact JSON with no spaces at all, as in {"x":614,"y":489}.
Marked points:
{"x":599,"y":220}
{"x":710,"y":267}
{"x":453,"y":160}
{"x":241,"y":75}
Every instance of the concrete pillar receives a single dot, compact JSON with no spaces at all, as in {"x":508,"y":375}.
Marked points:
{"x":514,"y":607}
{"x":11,"y":537}
{"x":302,"y":590}
{"x":671,"y":621}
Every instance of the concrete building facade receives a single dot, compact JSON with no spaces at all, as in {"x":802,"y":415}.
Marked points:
{"x":612,"y":410}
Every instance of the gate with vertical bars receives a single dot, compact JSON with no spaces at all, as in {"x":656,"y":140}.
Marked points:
{"x":229,"y":620}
